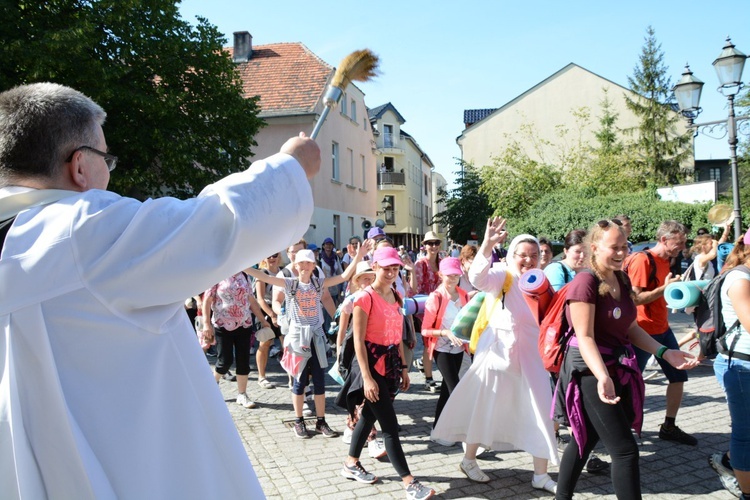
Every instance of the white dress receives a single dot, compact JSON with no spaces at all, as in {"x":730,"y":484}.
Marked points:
{"x":104,"y":390}
{"x":503,"y":402}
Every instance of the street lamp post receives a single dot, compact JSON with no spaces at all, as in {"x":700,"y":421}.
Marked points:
{"x":729,"y":66}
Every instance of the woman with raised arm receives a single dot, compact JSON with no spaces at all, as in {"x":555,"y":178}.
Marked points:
{"x":503,"y":401}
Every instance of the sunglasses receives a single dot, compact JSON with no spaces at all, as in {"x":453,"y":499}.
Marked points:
{"x":274,"y":256}
{"x":432,"y":243}
{"x":605,"y":223}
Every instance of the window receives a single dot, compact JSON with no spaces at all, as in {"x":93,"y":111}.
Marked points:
{"x":336,"y":224}
{"x":353,"y":111}
{"x":350,"y":158}
{"x":335,"y":160}
{"x":388,"y":140}
{"x":388,"y":162}
{"x":714,"y":174}
{"x":364,"y":173}
{"x":426,"y":184}
{"x":343,"y":105}
{"x":351,"y":226}
{"x":390,"y":209}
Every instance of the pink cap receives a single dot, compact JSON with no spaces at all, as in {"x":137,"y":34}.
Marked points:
{"x":386,"y":256}
{"x":450,"y":265}
{"x":746,"y":239}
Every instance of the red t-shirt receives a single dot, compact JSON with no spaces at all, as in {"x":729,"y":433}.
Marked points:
{"x":612,"y":318}
{"x":384,"y":320}
{"x":652,"y":317}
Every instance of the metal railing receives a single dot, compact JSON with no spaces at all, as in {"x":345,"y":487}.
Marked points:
{"x":392,"y":178}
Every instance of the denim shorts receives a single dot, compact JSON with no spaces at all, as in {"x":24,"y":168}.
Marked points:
{"x":673,"y":374}
{"x":734,"y":379}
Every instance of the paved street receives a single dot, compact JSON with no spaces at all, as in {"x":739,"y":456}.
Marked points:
{"x":306,"y":469}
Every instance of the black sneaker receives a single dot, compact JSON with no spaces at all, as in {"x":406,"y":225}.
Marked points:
{"x":358,"y":473}
{"x":323,"y":428}
{"x":596,"y":465}
{"x":418,"y":491}
{"x":300,"y":430}
{"x":676,"y":434}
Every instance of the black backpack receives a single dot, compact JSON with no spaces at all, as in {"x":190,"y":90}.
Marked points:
{"x":346,"y":354}
{"x":708,"y":318}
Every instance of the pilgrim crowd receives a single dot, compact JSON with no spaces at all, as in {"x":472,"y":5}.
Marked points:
{"x":96,"y":334}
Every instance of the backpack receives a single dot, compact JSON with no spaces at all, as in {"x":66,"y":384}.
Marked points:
{"x":554,"y":331}
{"x":566,"y":273}
{"x":708,"y":318}
{"x":651,"y":264}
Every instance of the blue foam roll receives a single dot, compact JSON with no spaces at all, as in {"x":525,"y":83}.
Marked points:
{"x":414,"y":305}
{"x":682,"y":294}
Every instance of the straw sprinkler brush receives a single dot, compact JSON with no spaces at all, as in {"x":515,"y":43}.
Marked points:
{"x":360,"y":66}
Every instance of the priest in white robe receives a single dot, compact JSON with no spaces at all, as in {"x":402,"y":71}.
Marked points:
{"x":104,"y":390}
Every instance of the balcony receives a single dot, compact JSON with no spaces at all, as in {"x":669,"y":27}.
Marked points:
{"x":389,"y":180}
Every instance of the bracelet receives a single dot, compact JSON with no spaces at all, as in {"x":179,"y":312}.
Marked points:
{"x":660,"y":351}
{"x":404,"y":367}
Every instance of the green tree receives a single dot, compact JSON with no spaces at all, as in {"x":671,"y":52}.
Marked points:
{"x":609,"y":167}
{"x":658,"y":146}
{"x":514,"y":182}
{"x":177,"y":118}
{"x":467,"y":208}
{"x":742,"y":108}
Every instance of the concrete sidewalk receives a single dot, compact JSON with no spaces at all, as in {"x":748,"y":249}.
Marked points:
{"x":308,"y":469}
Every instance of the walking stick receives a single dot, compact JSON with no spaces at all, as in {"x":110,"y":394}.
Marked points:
{"x":360,"y":65}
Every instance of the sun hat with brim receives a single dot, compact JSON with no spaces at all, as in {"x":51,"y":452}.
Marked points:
{"x":363,"y":268}
{"x":304,"y":256}
{"x":431,"y":236}
{"x":450,"y":266}
{"x":387,"y":256}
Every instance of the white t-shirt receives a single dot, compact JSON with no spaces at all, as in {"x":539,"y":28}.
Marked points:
{"x":729,"y":314}
{"x":451,"y":311}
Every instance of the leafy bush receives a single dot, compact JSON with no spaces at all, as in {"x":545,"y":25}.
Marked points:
{"x":555,"y":214}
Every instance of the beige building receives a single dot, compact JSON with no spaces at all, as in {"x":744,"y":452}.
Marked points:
{"x":290,"y":81}
{"x":547,"y":108}
{"x":438,"y":183}
{"x":405,"y":178}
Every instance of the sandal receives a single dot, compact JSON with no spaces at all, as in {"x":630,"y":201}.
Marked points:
{"x":545,"y":483}
{"x":266,"y":384}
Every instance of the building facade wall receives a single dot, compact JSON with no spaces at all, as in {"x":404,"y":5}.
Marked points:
{"x":348,"y":196}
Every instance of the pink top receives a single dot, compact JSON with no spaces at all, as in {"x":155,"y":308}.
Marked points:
{"x":427,"y":279}
{"x":384,"y":320}
{"x":231,"y":307}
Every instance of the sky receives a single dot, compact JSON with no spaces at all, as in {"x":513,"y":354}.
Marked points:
{"x":439,"y":58}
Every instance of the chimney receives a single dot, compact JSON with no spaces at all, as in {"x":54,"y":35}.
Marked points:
{"x":243,"y":46}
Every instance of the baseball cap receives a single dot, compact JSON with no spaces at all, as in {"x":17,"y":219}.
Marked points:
{"x":386,"y":256}
{"x":450,"y":265}
{"x":313,"y":247}
{"x":328,"y":240}
{"x":304,"y":256}
{"x":375,"y":233}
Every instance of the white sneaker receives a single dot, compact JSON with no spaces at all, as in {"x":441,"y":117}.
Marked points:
{"x":473,"y":472}
{"x":545,"y":483}
{"x":651,"y":375}
{"x":652,"y":364}
{"x":347,"y":437}
{"x":376,"y":449}
{"x":306,"y":411}
{"x":245,"y":401}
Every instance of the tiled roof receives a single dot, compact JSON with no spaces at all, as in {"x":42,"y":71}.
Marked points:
{"x":376,"y":112}
{"x":474,"y":115}
{"x":288,"y":77}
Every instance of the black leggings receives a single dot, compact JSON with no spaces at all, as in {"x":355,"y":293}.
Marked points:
{"x":382,"y":411}
{"x":233,"y":346}
{"x":611,"y":424}
{"x":449,"y":366}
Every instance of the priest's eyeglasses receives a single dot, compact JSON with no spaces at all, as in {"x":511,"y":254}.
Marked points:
{"x":110,"y":160}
